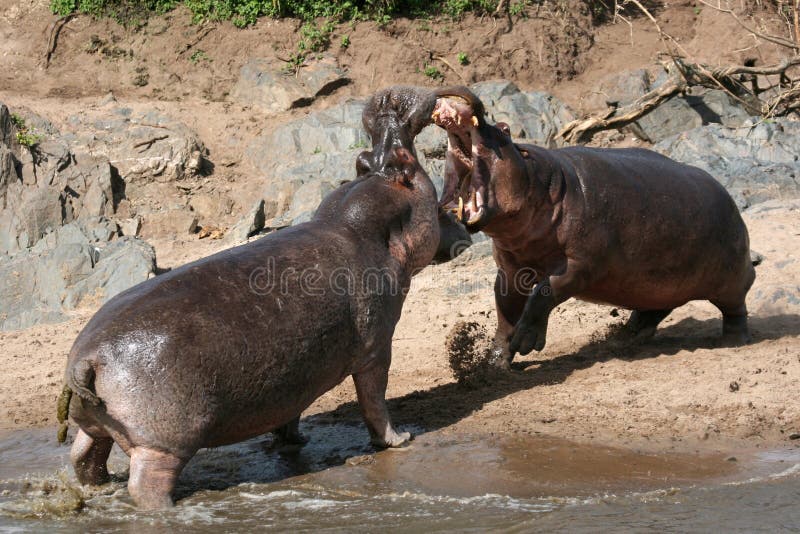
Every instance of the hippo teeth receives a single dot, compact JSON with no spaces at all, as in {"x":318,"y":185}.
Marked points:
{"x":475,"y":217}
{"x":474,"y":120}
{"x":460,"y":212}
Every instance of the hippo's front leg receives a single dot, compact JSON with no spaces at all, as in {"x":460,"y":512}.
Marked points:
{"x":530,"y":332}
{"x":371,"y":390}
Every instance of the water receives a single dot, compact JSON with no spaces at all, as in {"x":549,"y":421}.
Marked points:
{"x":439,"y":483}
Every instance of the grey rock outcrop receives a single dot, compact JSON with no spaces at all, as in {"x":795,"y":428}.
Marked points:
{"x":85,"y":171}
{"x":303,"y":157}
{"x":679,"y":114}
{"x":69,"y":268}
{"x":266,"y":85}
{"x":249,"y":225}
{"x":534,"y":117}
{"x":755,"y":164}
{"x":142,"y":147}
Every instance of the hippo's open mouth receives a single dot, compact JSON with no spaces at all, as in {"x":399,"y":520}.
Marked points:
{"x":465,"y":187}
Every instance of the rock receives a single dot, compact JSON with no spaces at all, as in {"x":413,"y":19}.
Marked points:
{"x":8,"y":173}
{"x":536,"y":117}
{"x":266,"y":85}
{"x":690,"y":111}
{"x":211,"y":205}
{"x":618,"y":89}
{"x":141,"y":147}
{"x":7,"y":130}
{"x":309,"y":157}
{"x":130,"y":227}
{"x":249,"y":225}
{"x":42,"y":285}
{"x":168,"y":223}
{"x":755,"y":164}
{"x":679,"y":114}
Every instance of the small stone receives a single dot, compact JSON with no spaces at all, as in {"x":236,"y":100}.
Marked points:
{"x":794,"y":435}
{"x":366,"y":459}
{"x":733,"y":386}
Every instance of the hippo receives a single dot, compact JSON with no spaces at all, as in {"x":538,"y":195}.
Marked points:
{"x":239,"y":343}
{"x":626,"y":227}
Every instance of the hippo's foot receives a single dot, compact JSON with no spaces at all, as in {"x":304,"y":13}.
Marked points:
{"x":288,"y":437}
{"x":528,"y":336}
{"x":89,"y":456}
{"x":391,"y":439}
{"x":371,"y":391}
{"x":153,"y":475}
{"x":735,"y":332}
{"x":643,"y":323}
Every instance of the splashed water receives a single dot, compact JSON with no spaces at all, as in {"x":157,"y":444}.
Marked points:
{"x":438,"y":484}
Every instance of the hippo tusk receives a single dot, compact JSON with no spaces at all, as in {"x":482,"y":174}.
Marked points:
{"x":474,"y":120}
{"x":460,"y":211}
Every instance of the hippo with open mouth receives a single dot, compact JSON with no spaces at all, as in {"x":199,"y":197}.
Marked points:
{"x":240,"y":343}
{"x":627,"y":227}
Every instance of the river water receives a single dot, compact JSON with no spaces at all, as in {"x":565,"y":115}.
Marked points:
{"x":439,"y":483}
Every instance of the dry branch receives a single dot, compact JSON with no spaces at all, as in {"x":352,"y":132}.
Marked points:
{"x":687,"y":74}
{"x":148,"y":143}
{"x":582,"y":129}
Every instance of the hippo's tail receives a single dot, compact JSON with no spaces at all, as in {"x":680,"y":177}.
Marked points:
{"x":79,"y":381}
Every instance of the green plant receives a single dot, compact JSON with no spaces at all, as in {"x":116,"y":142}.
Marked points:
{"x":518,"y":8}
{"x":358,"y":144}
{"x":345,"y":41}
{"x":198,"y":56}
{"x":25,"y":135}
{"x":463,"y":59}
{"x":433,"y":73}
{"x":313,"y":39}
{"x":317,"y":150}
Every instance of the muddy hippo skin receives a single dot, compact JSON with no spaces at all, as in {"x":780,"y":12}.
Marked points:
{"x":238,"y":344}
{"x":626,"y":227}
{"x":393,"y":117}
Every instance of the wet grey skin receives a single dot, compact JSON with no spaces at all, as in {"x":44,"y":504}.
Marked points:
{"x":240,"y":343}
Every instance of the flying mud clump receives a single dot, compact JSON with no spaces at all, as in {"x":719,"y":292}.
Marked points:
{"x":471,"y":354}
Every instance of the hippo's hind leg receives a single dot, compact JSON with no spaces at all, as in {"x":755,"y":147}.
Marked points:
{"x":371,"y":390}
{"x":153,"y":476}
{"x":89,"y":456}
{"x":643,"y":323}
{"x":735,"y":331}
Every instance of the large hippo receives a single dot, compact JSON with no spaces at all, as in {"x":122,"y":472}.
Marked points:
{"x":238,"y":344}
{"x":627,"y":227}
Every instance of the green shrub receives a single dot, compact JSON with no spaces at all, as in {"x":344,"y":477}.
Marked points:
{"x":244,"y":12}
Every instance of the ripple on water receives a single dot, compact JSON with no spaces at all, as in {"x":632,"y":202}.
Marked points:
{"x":436,"y":485}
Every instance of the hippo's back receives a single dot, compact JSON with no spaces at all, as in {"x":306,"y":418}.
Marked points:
{"x":669,"y":230}
{"x":231,"y":344}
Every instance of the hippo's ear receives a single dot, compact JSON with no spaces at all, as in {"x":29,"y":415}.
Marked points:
{"x":405,"y":163}
{"x":364,"y":163}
